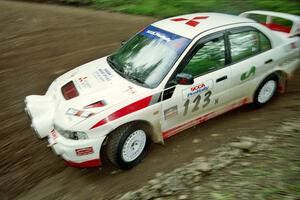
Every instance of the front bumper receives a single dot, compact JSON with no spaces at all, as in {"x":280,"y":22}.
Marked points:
{"x":40,"y":110}
{"x":77,"y":153}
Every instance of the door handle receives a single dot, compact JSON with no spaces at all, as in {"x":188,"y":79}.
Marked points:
{"x":221,"y":79}
{"x":268,"y":61}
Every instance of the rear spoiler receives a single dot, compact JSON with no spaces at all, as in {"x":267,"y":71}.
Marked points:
{"x":293,"y":31}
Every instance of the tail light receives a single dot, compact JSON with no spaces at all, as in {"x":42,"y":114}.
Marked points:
{"x":69,"y":91}
{"x":97,"y":104}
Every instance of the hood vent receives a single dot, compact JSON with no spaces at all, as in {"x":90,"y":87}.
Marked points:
{"x":69,"y":91}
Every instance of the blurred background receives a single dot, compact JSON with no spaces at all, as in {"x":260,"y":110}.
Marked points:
{"x":169,"y":8}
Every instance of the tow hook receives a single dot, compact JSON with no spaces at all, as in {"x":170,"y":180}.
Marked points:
{"x":50,"y":145}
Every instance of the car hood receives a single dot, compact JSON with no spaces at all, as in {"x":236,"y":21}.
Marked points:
{"x":94,"y":81}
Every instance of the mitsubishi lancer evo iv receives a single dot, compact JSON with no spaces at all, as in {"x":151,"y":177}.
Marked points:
{"x":170,"y":76}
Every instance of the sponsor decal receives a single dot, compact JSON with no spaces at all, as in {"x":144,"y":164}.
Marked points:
{"x":293,"y":45}
{"x":82,"y":79}
{"x":159,"y":35}
{"x":171,"y":112}
{"x":216,"y":101}
{"x":102,"y":75}
{"x":197,"y":101}
{"x":248,"y":74}
{"x":190,"y":22}
{"x":195,"y":90}
{"x":84,"y":151}
{"x":83,"y":83}
{"x":130,"y":90}
{"x":79,"y":113}
{"x":175,"y":42}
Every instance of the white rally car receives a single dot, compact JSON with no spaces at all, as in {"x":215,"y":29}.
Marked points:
{"x":172,"y":75}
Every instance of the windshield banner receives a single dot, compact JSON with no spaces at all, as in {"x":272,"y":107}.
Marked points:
{"x":172,"y":40}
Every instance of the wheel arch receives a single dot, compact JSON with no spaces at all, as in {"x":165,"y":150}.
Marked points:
{"x":151,"y":130}
{"x":282,"y":80}
{"x":281,"y":77}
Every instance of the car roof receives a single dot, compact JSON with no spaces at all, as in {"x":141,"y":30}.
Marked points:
{"x":191,"y":25}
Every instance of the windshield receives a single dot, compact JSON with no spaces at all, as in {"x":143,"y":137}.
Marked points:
{"x":148,"y":56}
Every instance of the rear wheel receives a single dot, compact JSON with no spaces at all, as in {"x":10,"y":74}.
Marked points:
{"x":265,"y":91}
{"x":127,"y":145}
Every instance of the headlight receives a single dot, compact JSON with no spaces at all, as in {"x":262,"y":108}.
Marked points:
{"x":80,"y":135}
{"x":73,"y":135}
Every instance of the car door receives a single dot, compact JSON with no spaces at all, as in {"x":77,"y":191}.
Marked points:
{"x":183,"y":105}
{"x":250,"y":57}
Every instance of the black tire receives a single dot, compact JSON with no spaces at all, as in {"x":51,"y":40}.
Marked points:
{"x":116,"y":141}
{"x":257,"y":101}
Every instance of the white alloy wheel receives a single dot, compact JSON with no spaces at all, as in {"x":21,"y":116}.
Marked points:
{"x":267,"y":91}
{"x":134,"y":145}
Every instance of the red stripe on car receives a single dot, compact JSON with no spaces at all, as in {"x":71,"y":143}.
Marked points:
{"x":89,"y":163}
{"x":187,"y":125}
{"x":136,"y":106}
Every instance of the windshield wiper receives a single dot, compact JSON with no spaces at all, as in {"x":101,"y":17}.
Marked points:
{"x":113,"y":65}
{"x":138,"y":80}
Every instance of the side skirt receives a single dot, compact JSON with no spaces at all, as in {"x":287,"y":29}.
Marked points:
{"x":204,"y":118}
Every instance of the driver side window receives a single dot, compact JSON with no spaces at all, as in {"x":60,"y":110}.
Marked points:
{"x":209,"y":57}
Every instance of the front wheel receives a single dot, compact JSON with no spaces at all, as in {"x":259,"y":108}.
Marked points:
{"x":127,"y":145}
{"x":265,"y":91}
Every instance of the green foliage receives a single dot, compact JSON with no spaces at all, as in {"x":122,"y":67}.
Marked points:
{"x":176,"y":7}
{"x":281,"y":192}
{"x":163,"y":8}
{"x":77,"y":2}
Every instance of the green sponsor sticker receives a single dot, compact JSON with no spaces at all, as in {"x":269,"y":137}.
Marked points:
{"x":246,"y":75}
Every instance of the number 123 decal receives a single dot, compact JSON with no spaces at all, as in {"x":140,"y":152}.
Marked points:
{"x":196,"y":102}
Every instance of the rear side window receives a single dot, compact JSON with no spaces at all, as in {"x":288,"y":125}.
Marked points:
{"x":265,"y":43}
{"x":246,"y":44}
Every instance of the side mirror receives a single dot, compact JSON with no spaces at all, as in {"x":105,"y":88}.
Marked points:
{"x":184,"y":79}
{"x":123,"y":42}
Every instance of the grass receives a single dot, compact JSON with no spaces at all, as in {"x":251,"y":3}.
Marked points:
{"x":280,"y":192}
{"x":162,"y":8}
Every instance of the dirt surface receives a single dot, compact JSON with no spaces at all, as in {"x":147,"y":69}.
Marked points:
{"x":40,"y":42}
{"x":265,"y":167}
